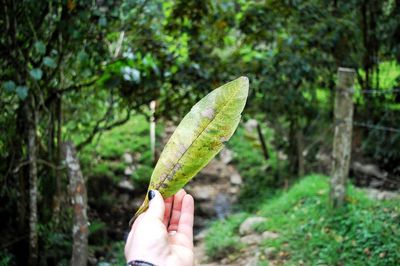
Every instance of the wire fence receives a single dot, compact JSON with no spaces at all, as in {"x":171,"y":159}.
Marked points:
{"x":376,"y":127}
{"x":375,"y":91}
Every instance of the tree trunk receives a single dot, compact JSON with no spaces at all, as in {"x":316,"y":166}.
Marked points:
{"x":342,"y":137}
{"x":80,"y":230}
{"x":32,"y":119}
{"x":262,"y":141}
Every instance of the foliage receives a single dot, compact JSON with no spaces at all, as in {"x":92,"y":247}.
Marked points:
{"x":222,"y":240}
{"x":198,"y":138}
{"x":259,"y":175}
{"x":365,"y":232}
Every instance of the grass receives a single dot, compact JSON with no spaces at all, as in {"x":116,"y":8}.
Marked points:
{"x":365,"y":232}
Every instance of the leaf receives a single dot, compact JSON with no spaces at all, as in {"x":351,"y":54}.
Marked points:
{"x":40,"y":47}
{"x":22,"y":92}
{"x":36,"y":73}
{"x":9,"y":85}
{"x":198,"y":138}
{"x":49,"y":62}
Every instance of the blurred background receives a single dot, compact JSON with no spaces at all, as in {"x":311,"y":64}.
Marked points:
{"x":91,"y":91}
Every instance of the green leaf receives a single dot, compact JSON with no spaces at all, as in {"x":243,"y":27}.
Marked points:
{"x":22,"y":92}
{"x":50,"y":62}
{"x":9,"y":85}
{"x":36,"y":73}
{"x":40,"y":47}
{"x":198,"y":138}
{"x":103,"y":21}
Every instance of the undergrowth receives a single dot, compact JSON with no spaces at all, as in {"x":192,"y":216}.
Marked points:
{"x":364,"y":232}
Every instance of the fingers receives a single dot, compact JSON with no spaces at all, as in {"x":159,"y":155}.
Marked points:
{"x":168,"y":208}
{"x":176,"y":210}
{"x":185,"y":224}
{"x":156,"y":205}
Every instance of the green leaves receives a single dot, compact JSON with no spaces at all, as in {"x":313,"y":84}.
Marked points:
{"x":22,"y":92}
{"x":49,"y":62}
{"x":198,"y":138}
{"x":36,"y":73}
{"x":9,"y":86}
{"x":40,"y":47}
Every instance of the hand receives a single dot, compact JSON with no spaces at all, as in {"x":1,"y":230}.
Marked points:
{"x":161,"y":236}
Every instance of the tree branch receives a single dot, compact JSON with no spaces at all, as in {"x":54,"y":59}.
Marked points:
{"x":98,"y":129}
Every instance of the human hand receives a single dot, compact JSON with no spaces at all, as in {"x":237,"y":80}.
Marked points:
{"x":163,"y":235}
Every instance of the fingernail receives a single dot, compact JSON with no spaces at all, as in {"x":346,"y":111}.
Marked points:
{"x":151,"y":194}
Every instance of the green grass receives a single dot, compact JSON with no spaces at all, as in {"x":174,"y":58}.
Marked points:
{"x":365,"y":232}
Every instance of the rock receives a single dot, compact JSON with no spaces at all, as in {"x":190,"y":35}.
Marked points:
{"x":251,"y":125}
{"x":234,"y":190}
{"x":222,"y":205}
{"x":252,"y":239}
{"x":269,"y":252}
{"x":282,"y":156}
{"x":269,"y":235}
{"x":129,"y":170}
{"x":126,"y":185}
{"x":226,"y":156}
{"x":369,"y":169}
{"x":255,"y":239}
{"x":236,"y":179}
{"x":204,"y":192}
{"x":201,"y":235}
{"x":377,"y":194}
{"x":247,"y":227}
{"x":128,"y":158}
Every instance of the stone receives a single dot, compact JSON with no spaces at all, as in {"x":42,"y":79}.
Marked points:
{"x":226,"y":155}
{"x":269,"y":235}
{"x":247,"y":227}
{"x":129,"y":170}
{"x":269,"y":252}
{"x":252,"y":239}
{"x":128,"y":158}
{"x":126,"y":185}
{"x":251,"y":125}
{"x":236,"y":179}
{"x":205,"y":192}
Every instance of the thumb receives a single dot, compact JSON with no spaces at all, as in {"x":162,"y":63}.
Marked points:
{"x":156,"y":205}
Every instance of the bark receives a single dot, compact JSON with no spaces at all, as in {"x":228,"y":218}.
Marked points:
{"x":32,"y":119}
{"x":80,"y":230}
{"x":342,"y":137}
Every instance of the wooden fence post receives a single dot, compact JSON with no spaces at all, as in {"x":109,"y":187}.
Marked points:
{"x":343,"y":119}
{"x":153,"y":131}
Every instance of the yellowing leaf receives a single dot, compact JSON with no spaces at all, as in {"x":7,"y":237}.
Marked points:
{"x":198,"y":138}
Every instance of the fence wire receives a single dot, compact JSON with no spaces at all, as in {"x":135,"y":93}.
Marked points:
{"x":375,"y":91}
{"x":376,"y":127}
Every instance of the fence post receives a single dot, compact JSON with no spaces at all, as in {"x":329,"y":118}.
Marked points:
{"x":343,"y":119}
